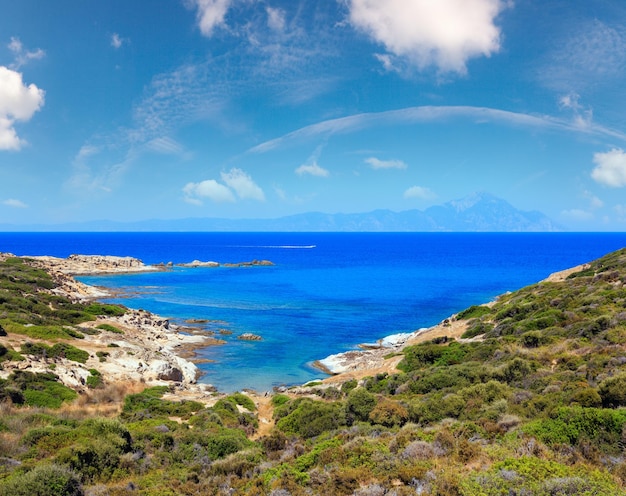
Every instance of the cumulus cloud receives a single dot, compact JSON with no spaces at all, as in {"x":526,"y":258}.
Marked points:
{"x":116,"y":41}
{"x":18,"y":102}
{"x":243,"y":185}
{"x":14,"y":203}
{"x":442,"y":33}
{"x":419,"y":192}
{"x":210,"y":14}
{"x":237,"y":182}
{"x":376,"y":163}
{"x":211,"y":189}
{"x":610,"y":168}
{"x":313,"y":170}
{"x":22,"y":55}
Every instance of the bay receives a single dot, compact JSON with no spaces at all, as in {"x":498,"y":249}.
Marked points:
{"x":326,"y":293}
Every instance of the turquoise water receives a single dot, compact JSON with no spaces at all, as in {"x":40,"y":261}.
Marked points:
{"x":326,"y":293}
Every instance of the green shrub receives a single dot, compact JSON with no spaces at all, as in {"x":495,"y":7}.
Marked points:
{"x":105,"y":309}
{"x":149,"y":404}
{"x":359,"y":404}
{"x":244,"y":401}
{"x":476,"y":328}
{"x":312,"y":418}
{"x":95,"y":379}
{"x":474,"y":312}
{"x":613,"y":391}
{"x":570,"y":425}
{"x":349,"y":385}
{"x":43,"y":480}
{"x":110,"y":328}
{"x":389,"y":413}
{"x":42,"y":390}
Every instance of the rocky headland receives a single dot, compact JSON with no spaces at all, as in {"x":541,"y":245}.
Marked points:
{"x":136,"y":347}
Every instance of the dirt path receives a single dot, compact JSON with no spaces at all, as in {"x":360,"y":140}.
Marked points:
{"x":265,"y":412}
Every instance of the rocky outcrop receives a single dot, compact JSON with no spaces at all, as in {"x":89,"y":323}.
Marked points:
{"x":253,"y":263}
{"x":198,"y":263}
{"x":248,"y":336}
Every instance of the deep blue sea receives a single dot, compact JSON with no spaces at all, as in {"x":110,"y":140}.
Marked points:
{"x":326,"y":293}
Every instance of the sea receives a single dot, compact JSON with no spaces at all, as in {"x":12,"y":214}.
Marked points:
{"x":326,"y":292}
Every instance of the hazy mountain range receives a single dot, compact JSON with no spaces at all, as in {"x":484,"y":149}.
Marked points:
{"x":481,"y":212}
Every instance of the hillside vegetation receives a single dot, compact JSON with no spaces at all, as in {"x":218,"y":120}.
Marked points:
{"x":530,"y":401}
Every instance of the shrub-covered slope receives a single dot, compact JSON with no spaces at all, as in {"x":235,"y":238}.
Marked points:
{"x":529,"y":402}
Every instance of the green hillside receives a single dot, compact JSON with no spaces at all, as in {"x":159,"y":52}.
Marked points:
{"x":530,"y":401}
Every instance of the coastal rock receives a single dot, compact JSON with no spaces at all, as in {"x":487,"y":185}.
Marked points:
{"x":165,"y":371}
{"x":198,"y":263}
{"x":248,"y":336}
{"x":253,"y":263}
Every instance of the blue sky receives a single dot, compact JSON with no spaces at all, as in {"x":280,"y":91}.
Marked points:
{"x":128,"y":110}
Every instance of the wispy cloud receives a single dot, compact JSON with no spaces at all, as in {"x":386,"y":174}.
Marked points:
{"x":593,"y":53}
{"x":18,"y":102}
{"x":14,"y":203}
{"x":312,"y":169}
{"x":610,"y":168}
{"x":444,"y":34}
{"x":376,"y":163}
{"x":410,"y":115}
{"x":22,"y":55}
{"x":275,"y":18}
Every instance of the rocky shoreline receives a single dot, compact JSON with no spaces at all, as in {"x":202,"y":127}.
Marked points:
{"x":137,"y":347}
{"x":148,"y":349}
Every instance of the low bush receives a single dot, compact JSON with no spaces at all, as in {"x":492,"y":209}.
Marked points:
{"x":312,"y":418}
{"x":359,"y":405}
{"x":43,"y":480}
{"x":110,"y":328}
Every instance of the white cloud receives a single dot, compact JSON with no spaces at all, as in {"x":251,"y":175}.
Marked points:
{"x":443,"y":33}
{"x":275,"y":19}
{"x":243,"y":185}
{"x":211,"y":189}
{"x":376,"y":163}
{"x":419,"y":192}
{"x":237,"y":182}
{"x":610,"y":168}
{"x":14,"y":203}
{"x":18,"y":102}
{"x":312,"y":170}
{"x":428,"y":113}
{"x":210,"y":14}
{"x":116,"y":41}
{"x":23,"y":56}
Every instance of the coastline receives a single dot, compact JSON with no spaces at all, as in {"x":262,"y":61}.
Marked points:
{"x":140,"y":347}
{"x":152,"y":351}
{"x":385,"y":355}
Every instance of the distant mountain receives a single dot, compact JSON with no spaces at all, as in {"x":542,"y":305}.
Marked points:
{"x":480,"y":212}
